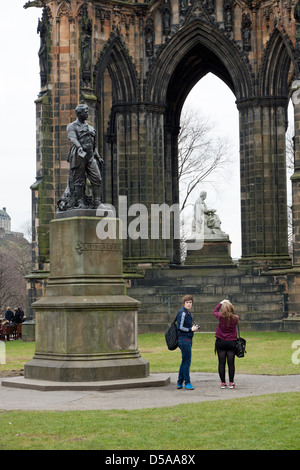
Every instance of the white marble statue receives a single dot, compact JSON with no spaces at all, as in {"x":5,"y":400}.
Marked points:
{"x":206,"y":221}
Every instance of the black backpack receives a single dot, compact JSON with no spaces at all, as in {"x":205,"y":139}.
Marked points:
{"x":171,"y":336}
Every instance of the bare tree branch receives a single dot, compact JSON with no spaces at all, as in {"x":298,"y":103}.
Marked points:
{"x":14,"y":265}
{"x":200,"y":153}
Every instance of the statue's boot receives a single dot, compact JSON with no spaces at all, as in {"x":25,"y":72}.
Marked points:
{"x":79,"y":195}
{"x":96,"y":195}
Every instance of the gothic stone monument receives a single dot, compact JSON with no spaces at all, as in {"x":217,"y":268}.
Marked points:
{"x":134,"y":63}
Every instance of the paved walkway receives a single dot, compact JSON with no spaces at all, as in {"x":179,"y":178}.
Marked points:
{"x":207,"y":388}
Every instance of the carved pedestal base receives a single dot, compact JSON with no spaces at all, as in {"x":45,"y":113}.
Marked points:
{"x":211,"y":252}
{"x":86,"y":325}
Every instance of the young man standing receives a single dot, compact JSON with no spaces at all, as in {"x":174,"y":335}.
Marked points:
{"x":185,"y":329}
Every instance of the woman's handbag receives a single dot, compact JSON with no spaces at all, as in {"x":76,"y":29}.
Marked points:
{"x":240,"y":347}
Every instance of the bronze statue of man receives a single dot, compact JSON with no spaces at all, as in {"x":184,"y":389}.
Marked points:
{"x":84,"y":162}
{"x":83,"y":157}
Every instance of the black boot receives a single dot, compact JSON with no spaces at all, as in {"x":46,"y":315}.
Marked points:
{"x":96,"y":195}
{"x":79,"y":196}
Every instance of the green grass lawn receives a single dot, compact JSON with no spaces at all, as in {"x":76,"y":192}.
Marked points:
{"x":266,"y":422}
{"x":267,"y":353}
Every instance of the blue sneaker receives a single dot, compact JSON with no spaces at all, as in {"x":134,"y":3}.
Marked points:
{"x":179,"y":385}
{"x":189,"y":387}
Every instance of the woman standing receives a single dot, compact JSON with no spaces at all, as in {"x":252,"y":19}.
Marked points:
{"x":185,"y":329}
{"x":226,"y":336}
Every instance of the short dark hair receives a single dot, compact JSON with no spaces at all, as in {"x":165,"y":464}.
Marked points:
{"x":186,"y":298}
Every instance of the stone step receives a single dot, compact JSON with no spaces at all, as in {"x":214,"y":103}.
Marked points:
{"x":257,"y":298}
{"x":209,"y":287}
{"x":239,"y":298}
{"x":204,"y":283}
{"x":210,"y":327}
{"x":208,"y":308}
{"x":208,"y":317}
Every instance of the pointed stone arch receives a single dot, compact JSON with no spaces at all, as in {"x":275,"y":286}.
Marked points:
{"x":200,"y":38}
{"x":199,"y":48}
{"x":118,"y":94}
{"x":117,"y":61}
{"x":279,"y":55}
{"x":64,"y":10}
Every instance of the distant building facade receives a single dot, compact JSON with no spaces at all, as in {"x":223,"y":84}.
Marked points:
{"x":5,"y":227}
{"x":5,"y":220}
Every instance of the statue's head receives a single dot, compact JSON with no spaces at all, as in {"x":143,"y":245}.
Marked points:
{"x":82,"y":110}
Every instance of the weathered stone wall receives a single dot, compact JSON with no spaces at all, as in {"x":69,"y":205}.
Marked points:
{"x":260,"y":300}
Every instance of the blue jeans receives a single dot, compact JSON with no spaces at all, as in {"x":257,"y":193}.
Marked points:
{"x":185,"y":346}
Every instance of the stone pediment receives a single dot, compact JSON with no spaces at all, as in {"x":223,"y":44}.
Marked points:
{"x":197,"y":9}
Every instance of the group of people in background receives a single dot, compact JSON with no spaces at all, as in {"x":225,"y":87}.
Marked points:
{"x":14,"y":316}
{"x":226,"y":336}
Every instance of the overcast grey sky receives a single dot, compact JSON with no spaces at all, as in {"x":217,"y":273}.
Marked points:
{"x":20,"y":84}
{"x":19,"y":87}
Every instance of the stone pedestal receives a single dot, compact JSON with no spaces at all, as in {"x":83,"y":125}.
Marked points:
{"x":86,"y":325}
{"x":28,"y":331}
{"x":212,"y":251}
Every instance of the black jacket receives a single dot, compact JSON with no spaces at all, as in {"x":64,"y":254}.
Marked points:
{"x":184,"y":323}
{"x":9,"y":315}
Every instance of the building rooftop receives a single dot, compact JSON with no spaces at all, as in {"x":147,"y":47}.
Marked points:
{"x":5,"y":220}
{"x":4,"y":214}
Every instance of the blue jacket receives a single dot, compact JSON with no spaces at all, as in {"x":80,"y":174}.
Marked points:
{"x":184,"y":324}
